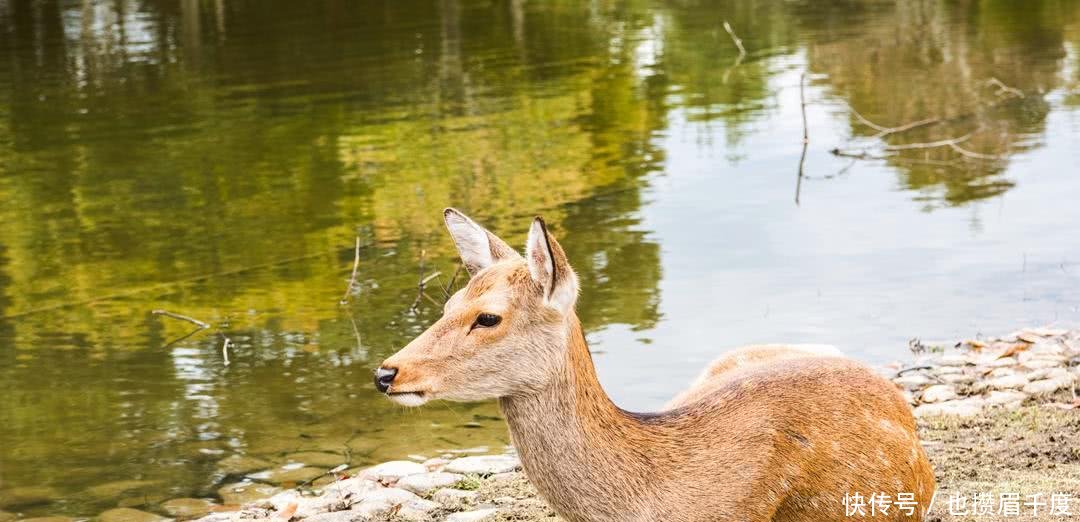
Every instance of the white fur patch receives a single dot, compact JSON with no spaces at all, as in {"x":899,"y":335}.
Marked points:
{"x":560,"y":288}
{"x":411,"y":400}
{"x":471,"y":240}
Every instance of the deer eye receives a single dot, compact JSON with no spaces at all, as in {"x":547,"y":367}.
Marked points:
{"x":486,"y":320}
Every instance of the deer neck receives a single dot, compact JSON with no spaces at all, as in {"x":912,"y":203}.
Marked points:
{"x":576,"y":444}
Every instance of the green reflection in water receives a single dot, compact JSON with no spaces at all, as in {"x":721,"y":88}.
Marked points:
{"x":217,"y":159}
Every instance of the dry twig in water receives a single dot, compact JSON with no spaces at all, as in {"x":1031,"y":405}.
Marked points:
{"x":1004,"y":89}
{"x":202,"y":325}
{"x":742,"y":51}
{"x":885,"y":131}
{"x":352,"y":278}
{"x":805,"y":136}
{"x":225,"y":348}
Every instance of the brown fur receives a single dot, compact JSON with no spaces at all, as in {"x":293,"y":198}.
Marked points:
{"x":771,"y":434}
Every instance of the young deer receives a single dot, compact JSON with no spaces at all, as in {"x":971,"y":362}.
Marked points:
{"x":773,"y":432}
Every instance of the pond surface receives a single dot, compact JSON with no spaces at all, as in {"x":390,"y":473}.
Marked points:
{"x":218,"y":158}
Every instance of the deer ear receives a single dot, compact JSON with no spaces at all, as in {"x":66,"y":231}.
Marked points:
{"x":478,"y":248}
{"x":550,"y":269}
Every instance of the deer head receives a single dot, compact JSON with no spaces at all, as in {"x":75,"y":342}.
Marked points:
{"x":504,"y":334}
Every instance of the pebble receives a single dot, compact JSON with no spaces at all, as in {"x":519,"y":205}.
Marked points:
{"x":938,"y":393}
{"x":187,"y":507}
{"x":242,"y":493}
{"x":484,"y":464}
{"x":382,"y":501}
{"x":454,"y":497}
{"x":1048,"y":386}
{"x":129,"y":515}
{"x":1009,"y":399}
{"x":436,"y":464}
{"x":478,"y":515}
{"x":952,"y":360}
{"x":1005,"y":382}
{"x":958,"y":378}
{"x":424,"y":483}
{"x":394,"y":470}
{"x":961,"y":408}
{"x":912,"y":381}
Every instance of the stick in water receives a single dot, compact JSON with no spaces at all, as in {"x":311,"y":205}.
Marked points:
{"x":225,"y":348}
{"x":352,"y":278}
{"x":192,"y":320}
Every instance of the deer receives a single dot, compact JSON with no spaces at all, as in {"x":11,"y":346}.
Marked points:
{"x":767,"y":433}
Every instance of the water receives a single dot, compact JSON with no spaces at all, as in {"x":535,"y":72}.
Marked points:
{"x":219,"y":158}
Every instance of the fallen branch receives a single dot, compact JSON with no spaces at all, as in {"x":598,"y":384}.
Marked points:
{"x":352,"y":278}
{"x":742,"y":51}
{"x":734,"y":38}
{"x":975,"y":155}
{"x":929,"y":145}
{"x":885,"y":131}
{"x":805,"y":137}
{"x":225,"y":347}
{"x":202,"y":325}
{"x":1002,"y":88}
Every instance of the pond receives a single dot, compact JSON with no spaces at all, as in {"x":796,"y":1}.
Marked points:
{"x":219,"y":159}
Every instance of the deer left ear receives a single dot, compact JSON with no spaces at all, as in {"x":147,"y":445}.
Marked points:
{"x":550,"y":269}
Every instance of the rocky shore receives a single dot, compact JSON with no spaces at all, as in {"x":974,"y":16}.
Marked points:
{"x":993,"y":414}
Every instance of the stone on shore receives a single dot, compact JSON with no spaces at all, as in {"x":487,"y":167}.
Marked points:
{"x":969,"y":407}
{"x":1005,"y":382}
{"x":424,"y":483}
{"x":912,"y":381}
{"x":484,"y":464}
{"x":478,"y":515}
{"x":454,"y":497}
{"x":938,"y":393}
{"x":129,"y":515}
{"x":392,"y":471}
{"x":242,"y":493}
{"x":1006,"y":398}
{"x":1048,"y":386}
{"x":187,"y":507}
{"x":403,"y":503}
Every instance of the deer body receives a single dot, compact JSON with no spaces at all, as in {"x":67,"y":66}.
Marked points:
{"x":767,"y":433}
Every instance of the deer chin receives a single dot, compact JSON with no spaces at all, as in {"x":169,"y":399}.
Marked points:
{"x":409,"y":399}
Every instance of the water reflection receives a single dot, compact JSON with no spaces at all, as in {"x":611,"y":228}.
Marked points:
{"x":219,"y":158}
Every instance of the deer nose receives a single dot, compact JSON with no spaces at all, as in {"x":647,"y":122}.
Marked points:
{"x":384,"y":377}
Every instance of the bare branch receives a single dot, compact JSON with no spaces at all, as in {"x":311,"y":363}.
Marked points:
{"x":1002,"y":88}
{"x":202,"y":325}
{"x":352,"y":278}
{"x":929,"y":145}
{"x":736,"y":39}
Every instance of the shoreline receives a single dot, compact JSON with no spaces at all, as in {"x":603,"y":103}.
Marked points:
{"x":992,"y":413}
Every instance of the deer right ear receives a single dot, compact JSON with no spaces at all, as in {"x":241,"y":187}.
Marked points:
{"x":478,"y":248}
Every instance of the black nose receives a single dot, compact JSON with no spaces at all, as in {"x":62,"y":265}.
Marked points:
{"x":384,"y":377}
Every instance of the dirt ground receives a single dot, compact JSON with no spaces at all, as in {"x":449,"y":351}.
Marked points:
{"x":1031,"y":451}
